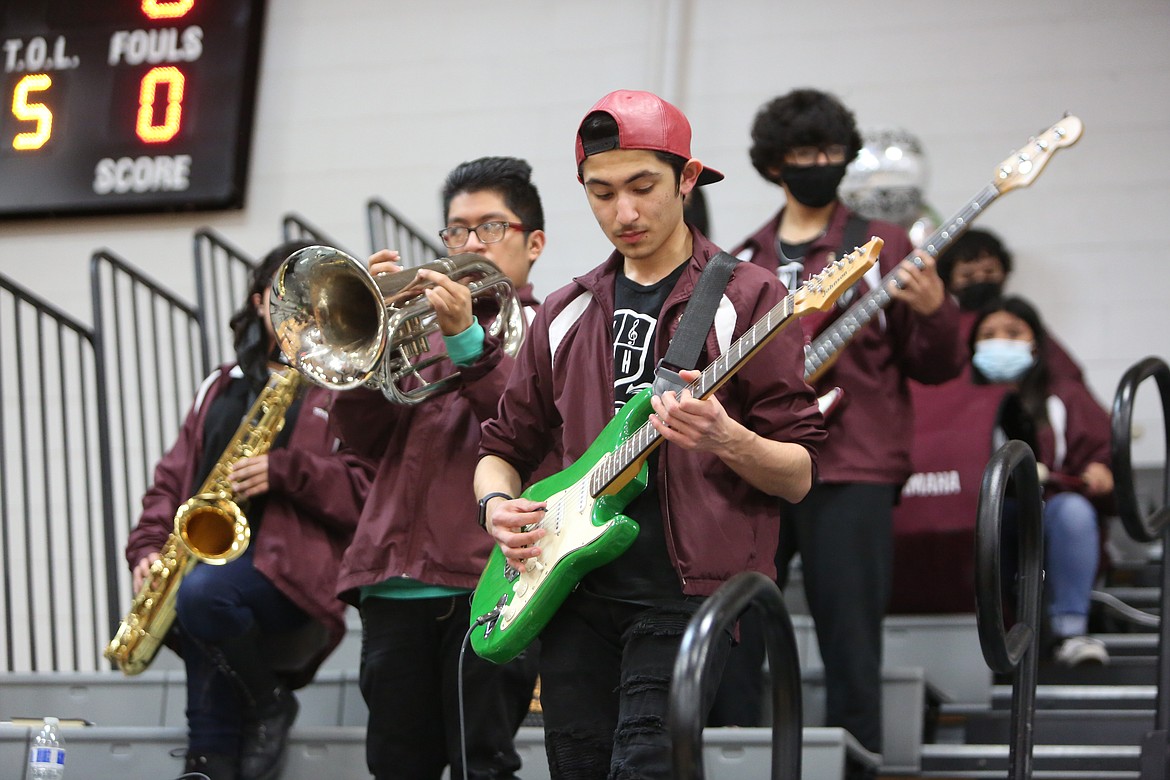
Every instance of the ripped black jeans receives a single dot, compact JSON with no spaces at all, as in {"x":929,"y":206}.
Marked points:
{"x":605,"y":670}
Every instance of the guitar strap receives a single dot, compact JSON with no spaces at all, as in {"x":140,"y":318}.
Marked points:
{"x":687,"y":344}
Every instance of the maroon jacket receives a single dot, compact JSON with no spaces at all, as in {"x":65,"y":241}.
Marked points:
{"x":315,"y":494}
{"x":716,"y":524}
{"x":420,"y":520}
{"x":870,"y":432}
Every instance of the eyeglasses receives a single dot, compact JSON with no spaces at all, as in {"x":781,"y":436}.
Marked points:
{"x":489,"y":233}
{"x":807,"y":155}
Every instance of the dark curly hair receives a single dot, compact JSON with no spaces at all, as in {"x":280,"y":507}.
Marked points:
{"x":970,"y":246}
{"x":803,"y":117}
{"x":509,"y":177}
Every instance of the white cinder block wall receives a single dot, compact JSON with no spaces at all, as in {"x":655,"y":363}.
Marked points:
{"x":383,"y":97}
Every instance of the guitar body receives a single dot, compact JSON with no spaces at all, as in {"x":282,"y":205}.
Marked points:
{"x":583,"y":533}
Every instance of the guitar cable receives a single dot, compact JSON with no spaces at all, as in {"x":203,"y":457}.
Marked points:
{"x":479,"y":621}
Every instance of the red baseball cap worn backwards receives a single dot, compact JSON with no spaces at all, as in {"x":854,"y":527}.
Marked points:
{"x":645,"y":121}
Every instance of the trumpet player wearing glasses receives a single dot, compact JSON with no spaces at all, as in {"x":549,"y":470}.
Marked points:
{"x":253,"y":628}
{"x":418,"y":552}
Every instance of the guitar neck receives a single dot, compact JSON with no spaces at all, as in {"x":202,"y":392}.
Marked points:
{"x":825,"y":347}
{"x":643,"y":441}
{"x":957,"y":225}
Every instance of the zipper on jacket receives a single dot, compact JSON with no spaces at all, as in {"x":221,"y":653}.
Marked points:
{"x":667,"y":532}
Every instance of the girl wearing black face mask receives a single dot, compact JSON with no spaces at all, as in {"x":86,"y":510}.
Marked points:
{"x":802,"y":142}
{"x":1070,"y":432}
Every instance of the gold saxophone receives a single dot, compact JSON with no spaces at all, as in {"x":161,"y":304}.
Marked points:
{"x":210,"y":527}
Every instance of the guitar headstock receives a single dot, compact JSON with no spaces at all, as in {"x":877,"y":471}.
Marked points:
{"x":1026,"y":162}
{"x":823,"y":289}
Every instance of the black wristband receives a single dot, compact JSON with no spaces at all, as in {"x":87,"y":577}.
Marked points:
{"x":483,"y":507}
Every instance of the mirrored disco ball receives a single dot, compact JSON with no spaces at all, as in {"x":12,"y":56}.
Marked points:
{"x":888,"y":177}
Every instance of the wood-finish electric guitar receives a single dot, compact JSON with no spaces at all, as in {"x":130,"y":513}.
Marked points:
{"x":583,"y":520}
{"x":1019,"y":170}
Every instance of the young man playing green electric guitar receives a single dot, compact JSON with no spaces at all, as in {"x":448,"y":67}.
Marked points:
{"x":706,"y":509}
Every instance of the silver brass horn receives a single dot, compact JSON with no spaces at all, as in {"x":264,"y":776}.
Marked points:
{"x":343,"y":328}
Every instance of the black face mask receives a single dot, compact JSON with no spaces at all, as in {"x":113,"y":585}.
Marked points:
{"x":974,"y":297}
{"x":813,"y":185}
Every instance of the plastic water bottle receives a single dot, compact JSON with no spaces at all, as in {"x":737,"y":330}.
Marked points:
{"x":46,"y":757}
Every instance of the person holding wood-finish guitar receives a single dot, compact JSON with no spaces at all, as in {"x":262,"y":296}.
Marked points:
{"x":709,"y":509}
{"x":802,"y":141}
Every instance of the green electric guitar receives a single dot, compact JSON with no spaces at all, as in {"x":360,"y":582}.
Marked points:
{"x":583,"y":519}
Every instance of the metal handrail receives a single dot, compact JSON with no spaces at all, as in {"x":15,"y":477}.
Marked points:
{"x":1013,"y":650}
{"x":149,"y":362}
{"x":391,"y":230}
{"x":56,"y":495}
{"x":1141,"y":528}
{"x":1156,"y":747}
{"x":294,"y":227}
{"x":222,"y":274}
{"x":714,"y":617}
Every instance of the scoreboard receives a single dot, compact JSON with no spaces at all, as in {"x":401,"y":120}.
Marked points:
{"x":116,"y":106}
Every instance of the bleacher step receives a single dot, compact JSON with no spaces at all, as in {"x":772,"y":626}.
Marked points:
{"x":904,"y":704}
{"x":1099,"y":762}
{"x":1062,"y":727}
{"x":1121,"y":670}
{"x":945,"y":646}
{"x":1145,"y":597}
{"x":1066,"y":697}
{"x":1139,"y":644}
{"x":109,"y":752}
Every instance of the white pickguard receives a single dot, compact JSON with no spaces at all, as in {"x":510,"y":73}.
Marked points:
{"x":568,"y":519}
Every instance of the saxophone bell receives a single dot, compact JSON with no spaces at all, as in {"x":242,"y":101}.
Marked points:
{"x":213,"y":528}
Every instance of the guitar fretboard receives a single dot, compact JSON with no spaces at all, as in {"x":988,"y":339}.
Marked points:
{"x":838,"y":335}
{"x":646,"y":438}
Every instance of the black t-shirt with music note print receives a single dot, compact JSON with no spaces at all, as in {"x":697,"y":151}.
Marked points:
{"x":644,"y":569}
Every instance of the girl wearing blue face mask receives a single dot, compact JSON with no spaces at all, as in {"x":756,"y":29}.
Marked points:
{"x":1069,"y":431}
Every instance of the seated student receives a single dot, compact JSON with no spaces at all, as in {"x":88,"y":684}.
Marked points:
{"x":303,"y":499}
{"x":974,"y":269}
{"x":1070,"y":433}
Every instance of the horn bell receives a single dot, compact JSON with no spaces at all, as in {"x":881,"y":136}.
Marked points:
{"x":329,"y":318}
